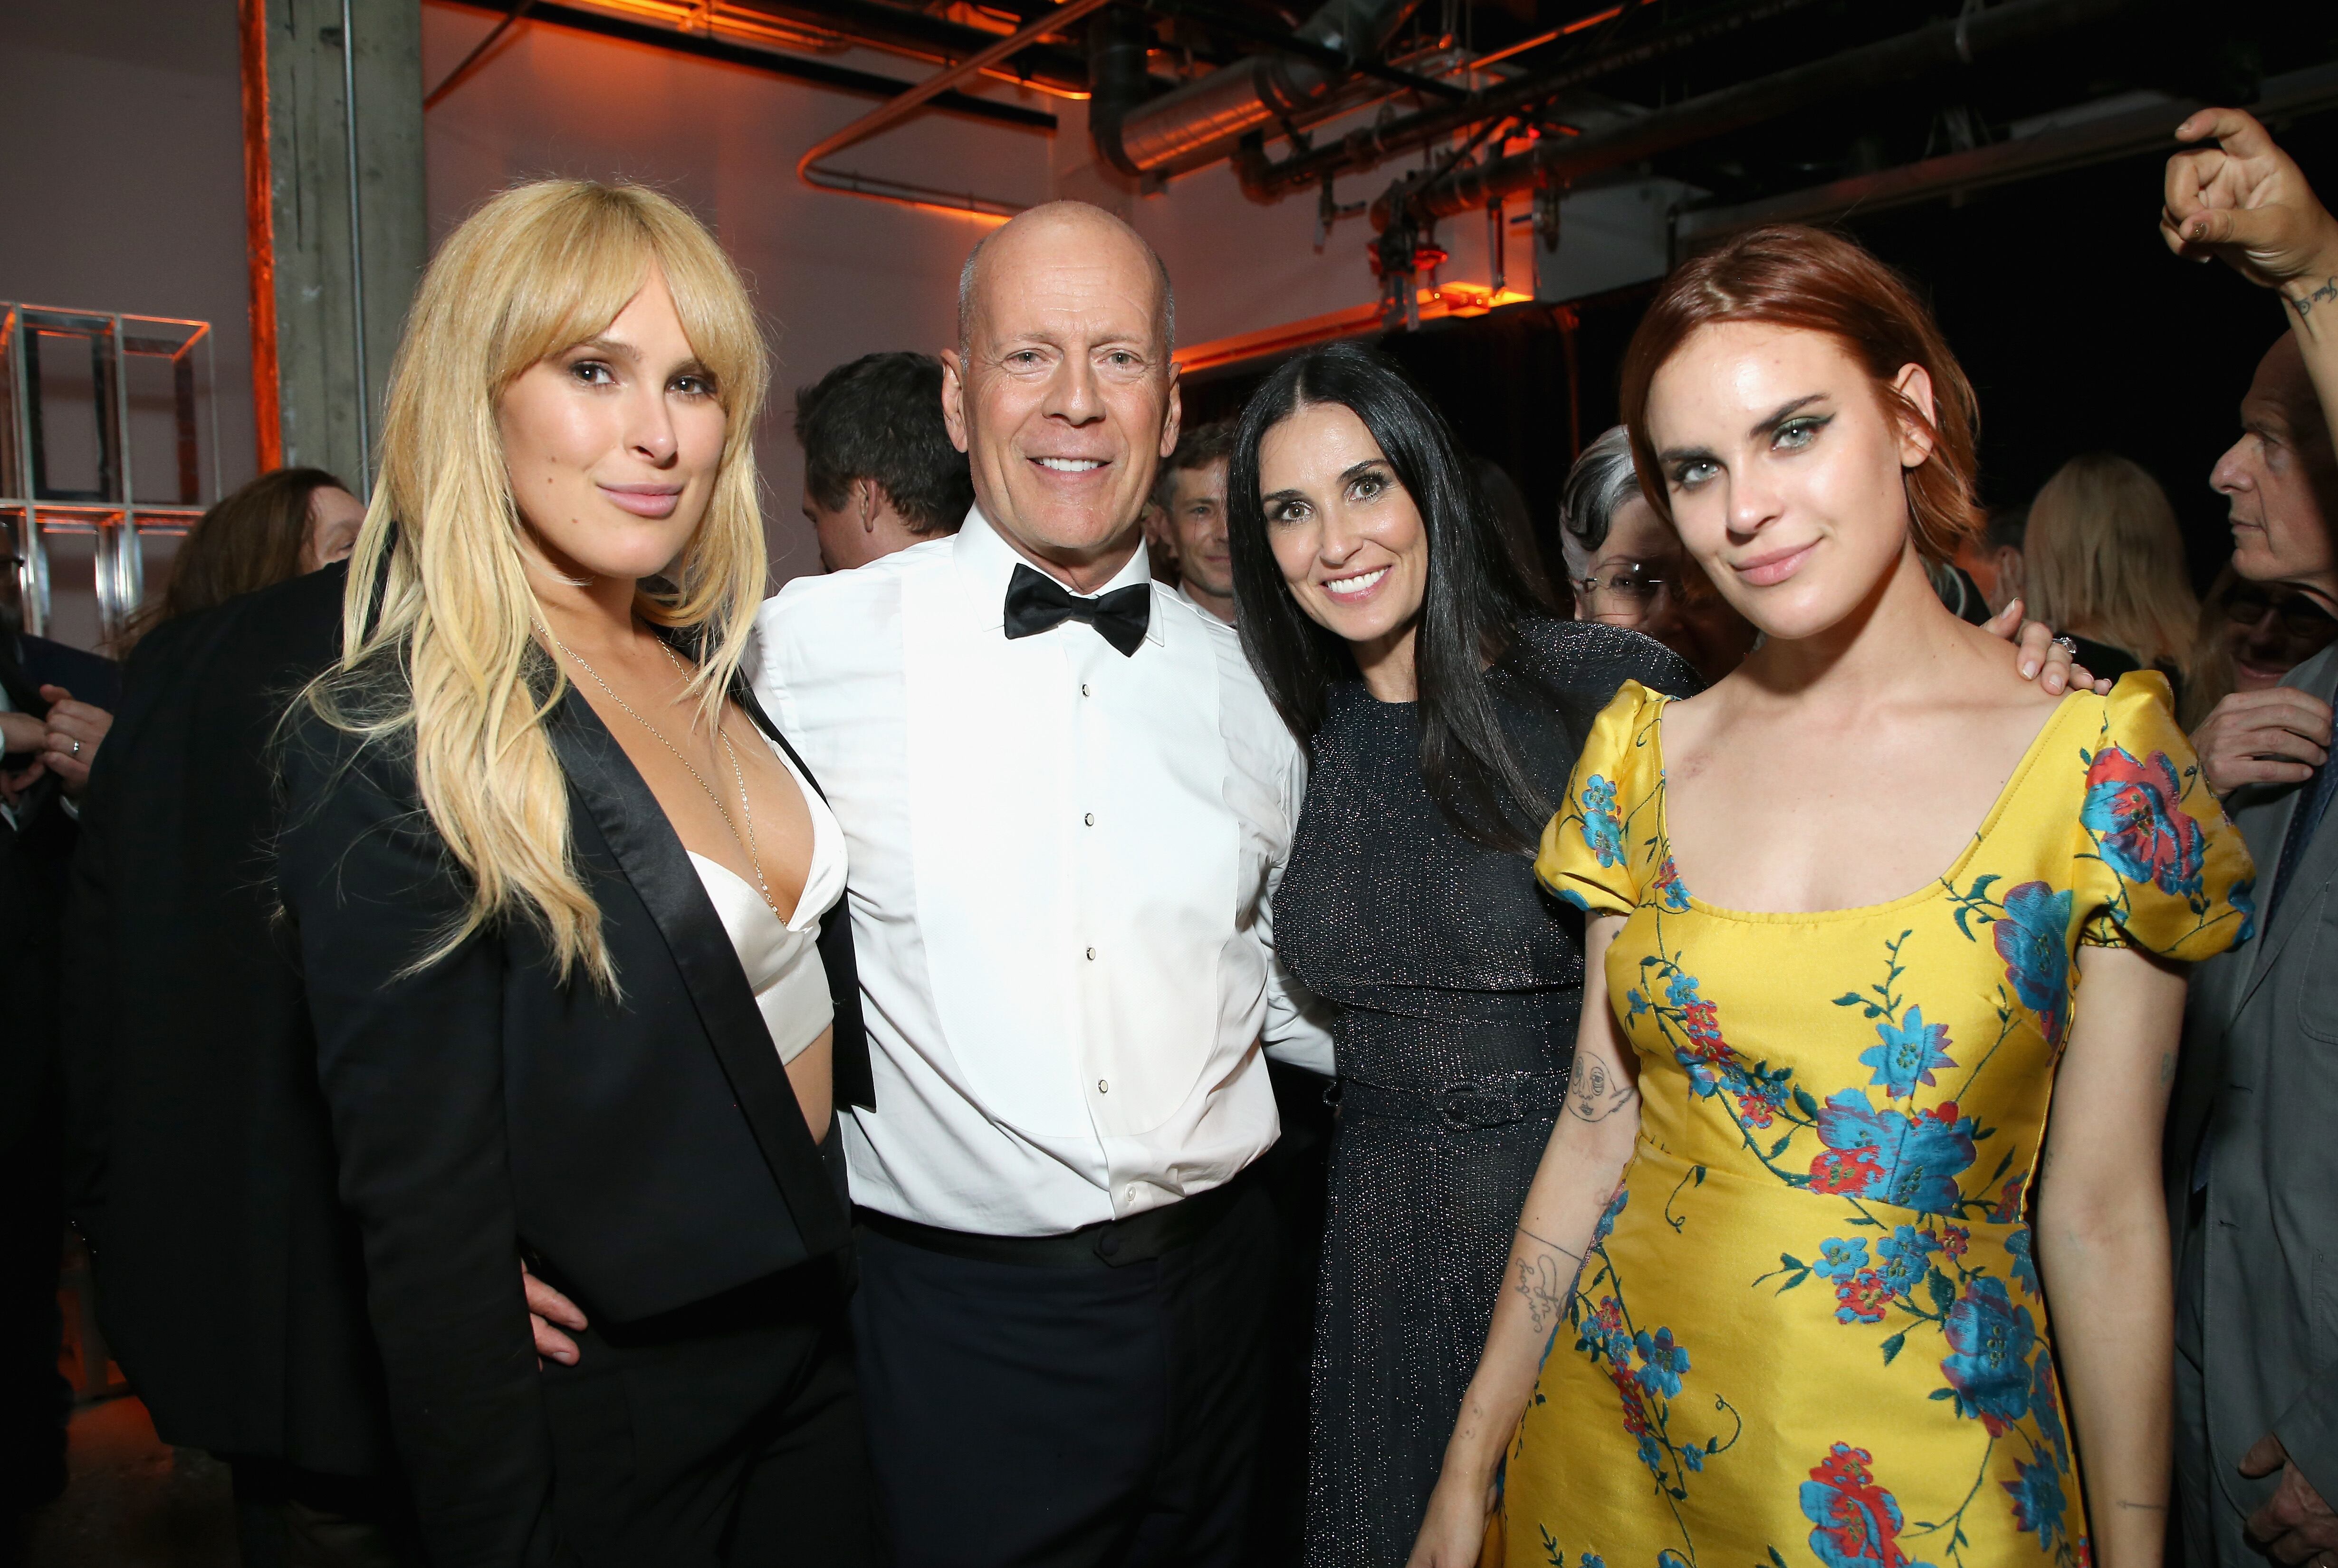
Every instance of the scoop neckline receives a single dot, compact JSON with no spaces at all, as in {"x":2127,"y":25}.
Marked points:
{"x":1932,"y":889}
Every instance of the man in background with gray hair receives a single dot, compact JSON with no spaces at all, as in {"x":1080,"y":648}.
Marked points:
{"x":1068,"y":803}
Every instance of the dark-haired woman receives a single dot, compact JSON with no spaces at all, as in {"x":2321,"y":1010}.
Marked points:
{"x":1390,"y":623}
{"x":286,"y":524}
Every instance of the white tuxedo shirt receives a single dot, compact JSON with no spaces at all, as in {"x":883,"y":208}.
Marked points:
{"x":1062,"y":862}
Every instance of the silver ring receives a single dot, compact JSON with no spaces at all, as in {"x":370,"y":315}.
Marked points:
{"x":76,"y":749}
{"x":2067,"y":646}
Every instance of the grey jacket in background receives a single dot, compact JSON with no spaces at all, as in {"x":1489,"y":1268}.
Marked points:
{"x":2255,"y":1114}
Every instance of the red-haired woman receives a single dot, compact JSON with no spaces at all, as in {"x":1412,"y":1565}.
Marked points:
{"x":1780,"y":1288}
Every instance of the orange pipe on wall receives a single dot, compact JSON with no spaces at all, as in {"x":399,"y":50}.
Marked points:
{"x":260,"y":232}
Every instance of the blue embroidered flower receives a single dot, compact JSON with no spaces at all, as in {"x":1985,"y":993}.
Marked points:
{"x":1663,"y":1362}
{"x":1603,"y":834}
{"x":1652,"y":1453}
{"x":1907,"y":1256}
{"x":2047,"y":1409}
{"x":1911,"y":1160}
{"x":2243,"y":897}
{"x":2037,"y":1500}
{"x":1908,"y":1056}
{"x":1667,"y":886}
{"x":1693,"y":1457}
{"x":1607,"y":1216}
{"x":2033,"y":938}
{"x":2025,"y":1267}
{"x":1670,"y":1559}
{"x":1991,"y":1339}
{"x":2135,"y":811}
{"x":1839,"y":1258}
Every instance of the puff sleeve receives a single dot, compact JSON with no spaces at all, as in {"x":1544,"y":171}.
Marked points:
{"x":1605,"y":843}
{"x":2159,"y":864}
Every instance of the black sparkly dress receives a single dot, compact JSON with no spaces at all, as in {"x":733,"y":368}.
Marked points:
{"x":1457,"y":982}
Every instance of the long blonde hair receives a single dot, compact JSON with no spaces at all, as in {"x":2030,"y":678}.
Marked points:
{"x":2103,"y":555}
{"x":443,"y":639}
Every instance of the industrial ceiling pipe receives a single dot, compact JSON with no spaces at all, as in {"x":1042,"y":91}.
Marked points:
{"x":1363,"y":148}
{"x":1153,"y":136}
{"x":1560,"y":160}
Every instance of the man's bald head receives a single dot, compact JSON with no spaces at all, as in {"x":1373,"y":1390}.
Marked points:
{"x":2281,"y":478}
{"x":2284,"y":383}
{"x":1057,"y":223}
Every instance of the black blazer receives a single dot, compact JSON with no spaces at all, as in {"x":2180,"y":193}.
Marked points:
{"x":229,"y":1280}
{"x":649,"y":1149}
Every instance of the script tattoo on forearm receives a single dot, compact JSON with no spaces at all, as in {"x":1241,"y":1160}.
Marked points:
{"x":1544,"y":1285}
{"x":1596,"y":1093}
{"x":2325,"y":295}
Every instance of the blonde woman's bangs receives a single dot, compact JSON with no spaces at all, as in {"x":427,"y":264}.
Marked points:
{"x":445,"y":640}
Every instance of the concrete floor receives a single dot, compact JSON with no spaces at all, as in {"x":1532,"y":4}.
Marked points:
{"x":133,"y":1501}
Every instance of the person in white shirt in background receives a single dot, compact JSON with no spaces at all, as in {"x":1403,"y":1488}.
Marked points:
{"x":1190,"y":499}
{"x":1067,"y":802}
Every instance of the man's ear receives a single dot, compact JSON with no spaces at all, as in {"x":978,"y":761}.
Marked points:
{"x":1172,"y":426}
{"x":1914,"y":385}
{"x":954,"y":396}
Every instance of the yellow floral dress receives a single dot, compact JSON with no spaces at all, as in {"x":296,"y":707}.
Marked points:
{"x":1810,"y":1330}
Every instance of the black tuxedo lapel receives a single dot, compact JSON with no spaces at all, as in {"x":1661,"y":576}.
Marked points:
{"x":855,"y":1084}
{"x":652,"y":858}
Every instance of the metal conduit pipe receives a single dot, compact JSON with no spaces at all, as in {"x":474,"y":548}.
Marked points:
{"x":1139,"y":138}
{"x":1361,"y":148}
{"x":1560,"y":160}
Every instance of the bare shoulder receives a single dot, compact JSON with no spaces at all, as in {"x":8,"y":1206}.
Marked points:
{"x":1990,"y":681}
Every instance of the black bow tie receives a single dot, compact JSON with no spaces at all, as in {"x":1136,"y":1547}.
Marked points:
{"x":1036,"y":601}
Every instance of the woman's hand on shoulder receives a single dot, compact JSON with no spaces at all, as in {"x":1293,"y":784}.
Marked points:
{"x":2039,"y":657}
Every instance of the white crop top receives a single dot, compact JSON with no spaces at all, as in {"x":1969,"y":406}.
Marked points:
{"x":782,"y":959}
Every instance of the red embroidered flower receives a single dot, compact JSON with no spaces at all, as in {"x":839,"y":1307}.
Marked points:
{"x":1863,"y":1296}
{"x":1954,"y":1239}
{"x":1844,"y":1170}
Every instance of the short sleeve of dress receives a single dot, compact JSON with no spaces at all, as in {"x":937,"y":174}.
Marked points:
{"x":2158,"y":864}
{"x":1602,"y":843}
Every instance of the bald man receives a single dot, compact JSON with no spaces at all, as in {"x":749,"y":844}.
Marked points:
{"x":2251,"y":1166}
{"x":1068,"y":802}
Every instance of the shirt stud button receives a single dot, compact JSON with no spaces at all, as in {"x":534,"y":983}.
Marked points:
{"x":1083,"y":690}
{"x":1104,"y":1086}
{"x":1090,"y":819}
{"x":1091,"y":954}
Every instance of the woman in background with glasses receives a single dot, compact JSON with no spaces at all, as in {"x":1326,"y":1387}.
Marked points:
{"x":2251,"y":634}
{"x":1625,"y":565}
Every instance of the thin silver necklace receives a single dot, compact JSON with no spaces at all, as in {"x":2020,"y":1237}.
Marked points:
{"x":746,"y":841}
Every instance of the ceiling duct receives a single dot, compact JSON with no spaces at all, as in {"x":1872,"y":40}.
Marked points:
{"x":1208,"y":116}
{"x":1559,"y":161}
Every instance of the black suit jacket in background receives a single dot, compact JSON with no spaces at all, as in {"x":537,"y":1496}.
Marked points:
{"x":229,"y":1280}
{"x":648,"y":1148}
{"x":36,"y":853}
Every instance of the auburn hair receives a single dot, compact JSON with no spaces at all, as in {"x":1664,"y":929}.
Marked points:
{"x":1788,"y":275}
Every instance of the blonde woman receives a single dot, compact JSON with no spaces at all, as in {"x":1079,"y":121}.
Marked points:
{"x":558,"y":886}
{"x":2103,"y":565}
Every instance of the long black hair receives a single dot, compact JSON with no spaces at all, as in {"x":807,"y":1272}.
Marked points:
{"x":1475,"y":598}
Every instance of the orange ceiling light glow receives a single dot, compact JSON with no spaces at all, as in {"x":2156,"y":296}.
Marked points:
{"x":1566,"y":30}
{"x":1451,"y":299}
{"x":714,"y":19}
